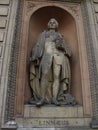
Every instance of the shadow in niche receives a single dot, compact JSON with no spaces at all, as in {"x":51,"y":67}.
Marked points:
{"x":67,"y":28}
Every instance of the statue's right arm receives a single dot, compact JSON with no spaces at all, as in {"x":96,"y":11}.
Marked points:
{"x":34,"y":55}
{"x":37,"y":51}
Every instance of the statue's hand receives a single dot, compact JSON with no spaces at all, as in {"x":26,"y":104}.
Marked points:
{"x":32,"y":59}
{"x":60,"y":47}
{"x":37,"y":62}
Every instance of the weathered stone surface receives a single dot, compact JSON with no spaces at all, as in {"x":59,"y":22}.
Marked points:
{"x":3,"y":11}
{"x":92,"y":41}
{"x":96,"y":8}
{"x":50,"y":111}
{"x":9,"y":31}
{"x":1,"y":36}
{"x":80,"y":112}
{"x":5,"y":2}
{"x":2,"y":23}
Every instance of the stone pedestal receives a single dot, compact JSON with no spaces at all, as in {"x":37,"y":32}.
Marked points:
{"x":53,"y":117}
{"x":52,"y":111}
{"x":71,"y":128}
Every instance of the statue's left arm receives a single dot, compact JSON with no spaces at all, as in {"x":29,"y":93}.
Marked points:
{"x":37,"y":51}
{"x":65,"y":47}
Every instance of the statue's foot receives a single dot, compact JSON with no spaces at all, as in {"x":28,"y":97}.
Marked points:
{"x":32,"y":101}
{"x":56,"y":102}
{"x":40,"y":103}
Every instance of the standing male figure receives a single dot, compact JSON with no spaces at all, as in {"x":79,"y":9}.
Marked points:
{"x":51,"y":57}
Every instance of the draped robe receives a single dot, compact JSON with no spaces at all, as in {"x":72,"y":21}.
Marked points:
{"x":39,"y":52}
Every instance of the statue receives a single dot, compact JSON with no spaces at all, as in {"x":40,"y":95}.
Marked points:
{"x":50,"y":74}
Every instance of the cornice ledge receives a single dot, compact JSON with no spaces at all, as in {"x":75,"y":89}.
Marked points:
{"x":74,"y":1}
{"x":78,"y":1}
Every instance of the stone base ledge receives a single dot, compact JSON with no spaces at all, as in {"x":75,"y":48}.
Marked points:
{"x":70,"y":128}
{"x":53,"y":117}
{"x":31,"y":111}
{"x":9,"y":128}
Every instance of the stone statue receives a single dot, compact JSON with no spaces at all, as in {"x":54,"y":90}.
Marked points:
{"x":50,"y":74}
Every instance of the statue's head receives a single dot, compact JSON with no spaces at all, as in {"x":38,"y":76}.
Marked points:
{"x":52,"y":24}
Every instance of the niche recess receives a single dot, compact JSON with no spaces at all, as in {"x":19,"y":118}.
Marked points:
{"x":35,"y":18}
{"x":67,"y":27}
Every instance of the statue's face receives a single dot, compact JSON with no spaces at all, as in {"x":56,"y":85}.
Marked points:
{"x":52,"y":24}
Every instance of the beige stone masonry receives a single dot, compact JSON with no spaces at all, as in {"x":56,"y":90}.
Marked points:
{"x":1,"y":36}
{"x":2,"y":23}
{"x":3,"y":11}
{"x":4,"y":2}
{"x":8,"y":9}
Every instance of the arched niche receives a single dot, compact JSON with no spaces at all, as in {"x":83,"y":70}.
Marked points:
{"x":67,"y":27}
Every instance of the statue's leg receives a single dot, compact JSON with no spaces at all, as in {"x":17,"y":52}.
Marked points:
{"x":44,"y":82}
{"x":56,"y":74}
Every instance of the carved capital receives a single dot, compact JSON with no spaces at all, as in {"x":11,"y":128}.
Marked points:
{"x":30,"y":6}
{"x":74,"y":9}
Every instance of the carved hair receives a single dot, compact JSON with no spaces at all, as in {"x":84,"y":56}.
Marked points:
{"x":54,"y":20}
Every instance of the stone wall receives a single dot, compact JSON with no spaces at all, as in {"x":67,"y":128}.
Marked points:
{"x":7,"y":23}
{"x":91,"y":33}
{"x":92,"y":7}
